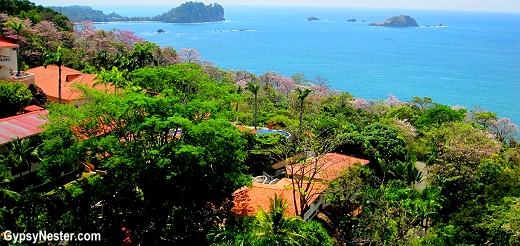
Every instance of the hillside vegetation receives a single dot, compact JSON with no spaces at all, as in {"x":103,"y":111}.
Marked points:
{"x":193,"y":12}
{"x":167,"y":147}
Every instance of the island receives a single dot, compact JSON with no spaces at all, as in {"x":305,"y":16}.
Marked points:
{"x":397,"y":21}
{"x":352,"y":20}
{"x":312,"y":18}
{"x":193,"y":12}
{"x":160,"y":30}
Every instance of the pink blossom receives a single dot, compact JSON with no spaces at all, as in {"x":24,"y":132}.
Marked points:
{"x":190,"y":55}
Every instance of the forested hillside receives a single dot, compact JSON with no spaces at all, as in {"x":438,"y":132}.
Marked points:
{"x":81,"y":13}
{"x":35,"y":13}
{"x":193,"y":12}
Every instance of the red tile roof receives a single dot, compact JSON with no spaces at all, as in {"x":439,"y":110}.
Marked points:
{"x":248,"y":200}
{"x":6,"y":42}
{"x":22,"y":126}
{"x":47,"y":80}
{"x":328,"y":167}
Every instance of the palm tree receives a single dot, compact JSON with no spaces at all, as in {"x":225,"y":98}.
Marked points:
{"x":56,"y":59}
{"x":142,"y":55}
{"x":302,"y":94}
{"x":239,"y":91}
{"x":5,"y":178}
{"x":254,"y":88}
{"x":274,"y":227}
{"x":21,"y":150}
{"x":17,"y":27}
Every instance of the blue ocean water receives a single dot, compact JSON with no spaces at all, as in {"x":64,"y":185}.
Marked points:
{"x":473,"y":60}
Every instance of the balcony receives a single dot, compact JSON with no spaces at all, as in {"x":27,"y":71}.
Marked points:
{"x":24,"y":77}
{"x":5,"y":58}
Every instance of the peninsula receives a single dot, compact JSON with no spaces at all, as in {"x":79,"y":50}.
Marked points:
{"x":397,"y":21}
{"x":193,"y":12}
{"x":189,"y":12}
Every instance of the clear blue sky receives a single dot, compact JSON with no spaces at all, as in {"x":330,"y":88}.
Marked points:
{"x":482,"y":5}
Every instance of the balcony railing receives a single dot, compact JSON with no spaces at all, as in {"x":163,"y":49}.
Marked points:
{"x":5,"y":58}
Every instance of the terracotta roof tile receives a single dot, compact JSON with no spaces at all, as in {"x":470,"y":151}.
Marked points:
{"x":248,"y":200}
{"x":329,"y":166}
{"x":6,"y":43}
{"x":47,"y":80}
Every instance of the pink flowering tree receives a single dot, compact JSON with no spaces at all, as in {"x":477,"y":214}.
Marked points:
{"x":503,"y":129}
{"x":393,"y":101}
{"x":190,"y":55}
{"x":360,"y":103}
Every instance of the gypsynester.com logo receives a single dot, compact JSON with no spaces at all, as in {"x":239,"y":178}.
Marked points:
{"x":43,"y":236}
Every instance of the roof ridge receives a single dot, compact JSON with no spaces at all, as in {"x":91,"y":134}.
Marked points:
{"x":23,"y":115}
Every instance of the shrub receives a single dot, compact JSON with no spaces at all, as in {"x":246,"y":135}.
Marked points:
{"x":13,"y":98}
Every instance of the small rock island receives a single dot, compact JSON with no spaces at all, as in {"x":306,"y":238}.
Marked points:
{"x":397,"y":21}
{"x":352,"y":20}
{"x":312,"y":18}
{"x":160,"y":30}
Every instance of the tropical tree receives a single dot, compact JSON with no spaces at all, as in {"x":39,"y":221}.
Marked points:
{"x":254,"y":88}
{"x":503,"y":129}
{"x":13,"y":97}
{"x":113,"y":77}
{"x":302,"y":94}
{"x":271,"y":227}
{"x":17,"y":27}
{"x":22,"y":152}
{"x":118,"y":133}
{"x":274,"y":224}
{"x":143,"y":55}
{"x":55,"y":58}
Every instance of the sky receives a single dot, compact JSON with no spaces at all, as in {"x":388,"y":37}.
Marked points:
{"x":479,"y":5}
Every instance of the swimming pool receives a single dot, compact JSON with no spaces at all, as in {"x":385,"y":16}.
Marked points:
{"x":264,"y":131}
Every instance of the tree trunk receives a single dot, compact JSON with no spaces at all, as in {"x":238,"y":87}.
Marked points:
{"x":59,"y":84}
{"x":301,"y":114}
{"x":256,"y":110}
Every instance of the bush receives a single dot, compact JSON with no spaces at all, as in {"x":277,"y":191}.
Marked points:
{"x":280,"y":121}
{"x":13,"y":98}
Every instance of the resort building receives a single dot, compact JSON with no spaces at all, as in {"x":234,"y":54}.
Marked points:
{"x":249,"y":200}
{"x":8,"y":57}
{"x":47,"y":80}
{"x":23,"y":126}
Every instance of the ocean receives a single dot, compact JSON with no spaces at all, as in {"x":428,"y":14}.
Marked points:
{"x":473,"y":59}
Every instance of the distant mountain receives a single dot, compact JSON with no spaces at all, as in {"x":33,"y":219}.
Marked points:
{"x":193,"y":12}
{"x":81,"y":13}
{"x":77,"y":13}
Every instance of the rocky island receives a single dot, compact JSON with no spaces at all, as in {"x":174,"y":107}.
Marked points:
{"x":193,"y":12}
{"x":352,"y":20}
{"x":312,"y":18}
{"x":397,"y":21}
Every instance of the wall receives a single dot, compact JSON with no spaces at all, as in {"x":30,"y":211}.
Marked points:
{"x":10,"y":62}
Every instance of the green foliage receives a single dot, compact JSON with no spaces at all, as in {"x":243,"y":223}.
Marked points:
{"x":387,"y":142}
{"x":280,"y":121}
{"x":24,"y":9}
{"x":271,"y":227}
{"x":404,"y":113}
{"x":193,"y":12}
{"x":263,"y":151}
{"x":439,"y":115}
{"x":55,"y":58}
{"x":81,"y":13}
{"x":14,"y":96}
{"x":131,"y":137}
